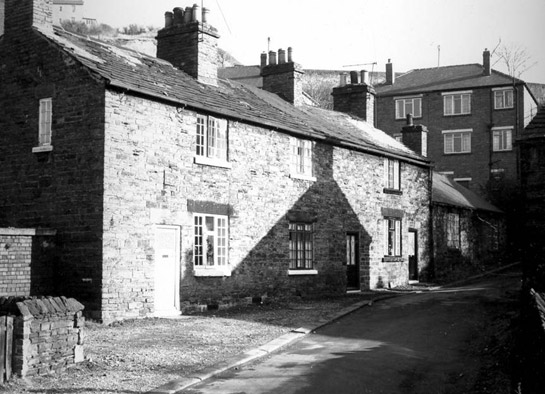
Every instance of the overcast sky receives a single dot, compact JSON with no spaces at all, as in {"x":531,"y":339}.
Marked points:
{"x":340,"y":33}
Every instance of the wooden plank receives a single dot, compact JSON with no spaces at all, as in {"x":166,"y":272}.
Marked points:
{"x":2,"y":348}
{"x":9,"y":346}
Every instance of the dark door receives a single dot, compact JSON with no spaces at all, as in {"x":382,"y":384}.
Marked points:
{"x":352,"y":261}
{"x":413,"y":255}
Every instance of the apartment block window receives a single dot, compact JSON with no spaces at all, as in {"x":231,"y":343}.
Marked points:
{"x":457,"y":141}
{"x":45,"y":120}
{"x":211,"y":140}
{"x":392,"y":174}
{"x":457,"y":103}
{"x":302,"y":157}
{"x":502,"y":139}
{"x":405,"y":106}
{"x":503,"y":98}
{"x":301,"y":246}
{"x":392,"y":240}
{"x":453,"y":230}
{"x":210,"y":248}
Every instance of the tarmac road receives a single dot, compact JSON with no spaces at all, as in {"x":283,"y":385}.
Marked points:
{"x":416,"y":343}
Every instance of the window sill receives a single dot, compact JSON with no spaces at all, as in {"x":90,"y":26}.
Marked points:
{"x":457,"y":153}
{"x":503,"y":109}
{"x":449,"y":115}
{"x":43,"y":148}
{"x":405,"y":118}
{"x":302,"y":272}
{"x":392,"y":191}
{"x":393,"y":259}
{"x":212,"y":272}
{"x":212,"y":162}
{"x":502,"y":151}
{"x":303,"y":177}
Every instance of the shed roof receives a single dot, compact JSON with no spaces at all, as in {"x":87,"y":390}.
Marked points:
{"x":126,"y":69}
{"x":465,"y":76}
{"x":448,"y":192}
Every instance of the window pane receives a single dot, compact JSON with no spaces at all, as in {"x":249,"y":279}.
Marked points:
{"x":200,"y":137}
{"x":301,"y":246}
{"x":417,"y":108}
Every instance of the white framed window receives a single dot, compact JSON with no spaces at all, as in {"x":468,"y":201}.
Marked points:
{"x":457,"y":141}
{"x":210,"y":244}
{"x":457,"y":103}
{"x":302,"y":158}
{"x":398,"y":137}
{"x":410,"y":105}
{"x":45,"y":119}
{"x":452,"y":224}
{"x":301,"y":239}
{"x":211,"y":143}
{"x":392,"y":239}
{"x":392,"y":174}
{"x":502,"y":139}
{"x":503,"y":98}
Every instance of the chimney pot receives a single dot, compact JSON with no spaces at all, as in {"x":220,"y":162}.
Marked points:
{"x":487,"y":70}
{"x":263,"y":59}
{"x":364,"y":77}
{"x":281,"y":56}
{"x":409,"y":119}
{"x":272,"y":58}
{"x":196,"y":13}
{"x":205,"y":13}
{"x":390,"y":76}
{"x":177,"y":16}
{"x":169,"y":19}
{"x":343,"y":79}
{"x":290,"y":55}
{"x":353,"y":77}
{"x":188,"y":14}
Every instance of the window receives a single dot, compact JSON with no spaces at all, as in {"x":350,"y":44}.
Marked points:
{"x":302,"y":159}
{"x":211,"y":144}
{"x":406,"y":106}
{"x":502,"y":139}
{"x":210,"y":249}
{"x":391,"y":174}
{"x":301,"y":246}
{"x":457,"y":141}
{"x":393,"y":237}
{"x":398,"y":137}
{"x":457,"y":104}
{"x":453,"y":230}
{"x":45,"y":117}
{"x":503,"y":98}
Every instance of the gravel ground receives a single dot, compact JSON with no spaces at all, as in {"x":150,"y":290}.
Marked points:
{"x":138,"y":355}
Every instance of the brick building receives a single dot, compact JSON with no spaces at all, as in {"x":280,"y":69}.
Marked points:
{"x":473,"y":114}
{"x":167,"y":186}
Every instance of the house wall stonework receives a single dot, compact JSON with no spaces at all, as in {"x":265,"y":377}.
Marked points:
{"x":477,"y":164}
{"x":62,"y":188}
{"x":151,"y":179}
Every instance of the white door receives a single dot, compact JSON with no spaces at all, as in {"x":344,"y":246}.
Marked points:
{"x":167,"y":270}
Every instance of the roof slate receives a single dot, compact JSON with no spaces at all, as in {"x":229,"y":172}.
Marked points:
{"x":124,"y":68}
{"x":449,"y":192}
{"x":466,"y":76}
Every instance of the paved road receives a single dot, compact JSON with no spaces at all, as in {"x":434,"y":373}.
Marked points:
{"x":417,"y":343}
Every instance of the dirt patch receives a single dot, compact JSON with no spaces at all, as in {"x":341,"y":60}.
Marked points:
{"x":138,"y":355}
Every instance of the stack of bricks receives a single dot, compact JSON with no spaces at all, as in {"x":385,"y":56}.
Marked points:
{"x":47,"y":333}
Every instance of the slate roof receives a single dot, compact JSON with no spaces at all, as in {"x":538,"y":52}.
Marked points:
{"x":465,"y":76}
{"x":448,"y":192}
{"x":130,"y":70}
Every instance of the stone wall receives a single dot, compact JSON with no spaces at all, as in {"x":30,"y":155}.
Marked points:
{"x":60,"y":188}
{"x":152,"y":179}
{"x":27,"y":261}
{"x":47,"y":333}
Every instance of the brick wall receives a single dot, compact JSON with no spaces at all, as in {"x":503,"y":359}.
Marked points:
{"x":149,"y":142}
{"x":47,"y":333}
{"x":60,"y":189}
{"x":27,"y":261}
{"x":475,"y":165}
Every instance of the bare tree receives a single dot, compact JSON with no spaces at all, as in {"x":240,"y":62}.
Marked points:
{"x":514,"y":57}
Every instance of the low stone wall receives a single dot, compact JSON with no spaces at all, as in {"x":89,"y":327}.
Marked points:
{"x":47,"y":333}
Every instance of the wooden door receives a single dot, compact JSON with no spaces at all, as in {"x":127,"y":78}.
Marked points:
{"x":413,"y":255}
{"x":167,"y":270}
{"x":352,"y":261}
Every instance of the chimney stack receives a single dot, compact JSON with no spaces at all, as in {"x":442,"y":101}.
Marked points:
{"x":356,"y":98}
{"x":390,"y":76}
{"x":284,"y":78}
{"x":190,"y":43}
{"x":25,"y":14}
{"x":415,"y":137}
{"x":487,"y":70}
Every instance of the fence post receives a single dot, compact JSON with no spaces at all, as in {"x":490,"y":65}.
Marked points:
{"x":3,"y":359}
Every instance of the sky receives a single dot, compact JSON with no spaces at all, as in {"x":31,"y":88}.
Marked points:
{"x":354,"y":34}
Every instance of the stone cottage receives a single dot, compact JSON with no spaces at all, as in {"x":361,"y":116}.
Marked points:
{"x":168,"y":186}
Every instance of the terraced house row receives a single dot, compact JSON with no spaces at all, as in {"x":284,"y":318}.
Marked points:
{"x":162,"y":186}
